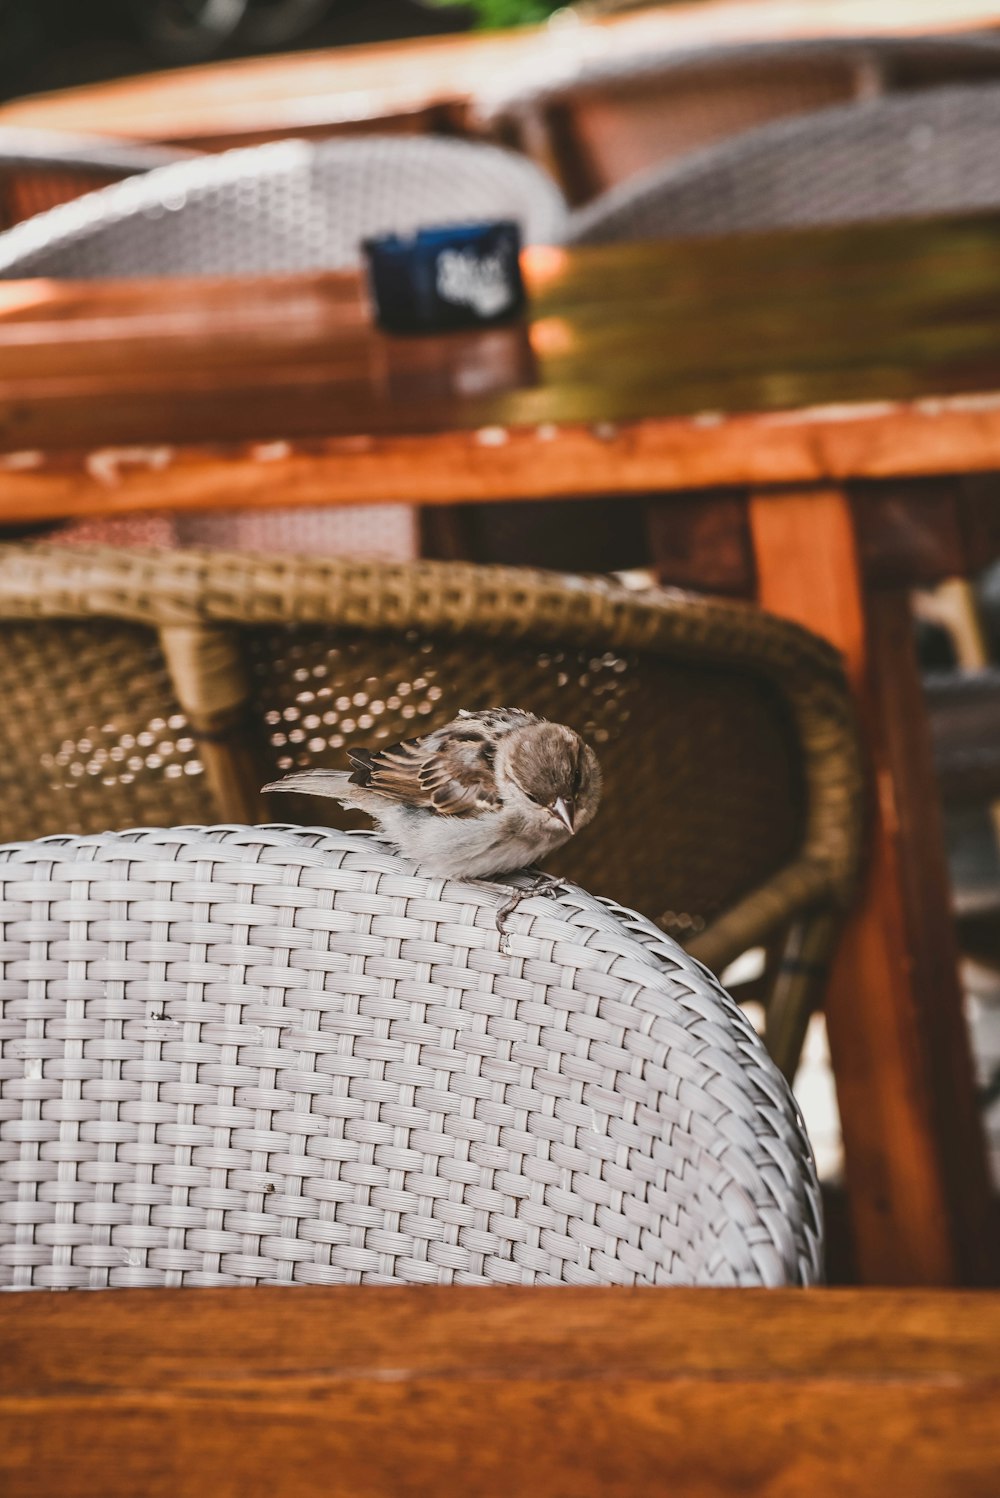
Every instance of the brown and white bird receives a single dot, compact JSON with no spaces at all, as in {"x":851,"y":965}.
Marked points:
{"x":486,"y":794}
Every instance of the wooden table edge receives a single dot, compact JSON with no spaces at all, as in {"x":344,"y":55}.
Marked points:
{"x":891,"y":439}
{"x":494,"y":1391}
{"x":465,"y":62}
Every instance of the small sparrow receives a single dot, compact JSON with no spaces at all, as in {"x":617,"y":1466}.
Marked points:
{"x":488,"y":793}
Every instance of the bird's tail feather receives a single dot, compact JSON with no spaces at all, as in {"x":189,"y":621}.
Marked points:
{"x":333,"y":783}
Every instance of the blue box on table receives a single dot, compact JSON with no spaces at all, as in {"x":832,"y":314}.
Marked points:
{"x":456,"y":276}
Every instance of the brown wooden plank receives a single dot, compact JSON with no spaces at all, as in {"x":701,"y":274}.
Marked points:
{"x":249,"y":99}
{"x":770,"y":324}
{"x":245,"y":100}
{"x":495,"y":463}
{"x":415,"y":1391}
{"x":913,"y":1144}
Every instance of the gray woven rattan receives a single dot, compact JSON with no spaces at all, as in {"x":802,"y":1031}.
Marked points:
{"x":238,"y":1055}
{"x":930,"y":152}
{"x":288,"y":206}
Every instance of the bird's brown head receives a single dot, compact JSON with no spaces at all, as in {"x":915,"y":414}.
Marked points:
{"x":555,"y":769}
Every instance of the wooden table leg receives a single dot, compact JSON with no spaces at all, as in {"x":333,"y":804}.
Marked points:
{"x":913,"y":1143}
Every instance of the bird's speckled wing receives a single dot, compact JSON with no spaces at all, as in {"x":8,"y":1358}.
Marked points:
{"x":450,"y":771}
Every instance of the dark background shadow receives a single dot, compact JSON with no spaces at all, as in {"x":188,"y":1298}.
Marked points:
{"x":51,"y":44}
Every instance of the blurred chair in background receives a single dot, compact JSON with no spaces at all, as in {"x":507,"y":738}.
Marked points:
{"x":42,"y":168}
{"x":599,"y":123}
{"x":910,"y":156}
{"x":159,"y":688}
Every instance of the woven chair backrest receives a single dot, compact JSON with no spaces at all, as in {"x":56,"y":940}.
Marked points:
{"x":726,"y":737}
{"x":251,"y":1055}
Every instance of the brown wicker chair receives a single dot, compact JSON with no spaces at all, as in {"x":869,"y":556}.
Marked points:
{"x":153,"y":688}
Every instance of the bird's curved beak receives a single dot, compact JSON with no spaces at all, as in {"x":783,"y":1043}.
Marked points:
{"x":565,"y":810}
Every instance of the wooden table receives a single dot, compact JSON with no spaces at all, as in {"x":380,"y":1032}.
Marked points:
{"x":817,"y":417}
{"x":431,"y":83}
{"x":397,"y":1392}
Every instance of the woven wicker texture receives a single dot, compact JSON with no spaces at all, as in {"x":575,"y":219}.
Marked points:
{"x":902,"y":157}
{"x":287,"y":206}
{"x":733,"y":791}
{"x":241,"y":1055}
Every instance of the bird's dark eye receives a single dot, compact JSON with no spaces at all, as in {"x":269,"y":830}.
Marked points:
{"x":577,"y":779}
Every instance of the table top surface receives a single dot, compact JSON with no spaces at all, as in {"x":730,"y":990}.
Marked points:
{"x":862,"y":318}
{"x":248,"y":98}
{"x":443,"y":1390}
